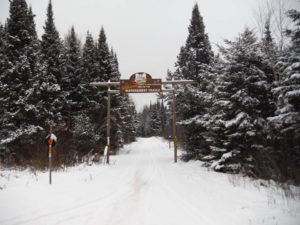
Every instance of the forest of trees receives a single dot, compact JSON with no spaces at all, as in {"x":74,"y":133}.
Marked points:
{"x":44,"y":84}
{"x":242,"y":114}
{"x":153,"y":120}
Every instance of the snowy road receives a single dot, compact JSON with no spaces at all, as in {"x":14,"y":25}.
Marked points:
{"x":142,"y":186}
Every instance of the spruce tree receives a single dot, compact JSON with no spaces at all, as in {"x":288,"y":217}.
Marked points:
{"x":129,"y":119}
{"x":267,"y":41}
{"x":31,"y":23}
{"x":125,"y":112}
{"x":19,"y":66}
{"x":89,"y":68}
{"x":104,"y":58}
{"x":117,"y":103}
{"x":285,"y":125}
{"x":269,"y":50}
{"x":294,"y":34}
{"x":51,"y":47}
{"x":144,"y":120}
{"x":72,"y":77}
{"x":51,"y":95}
{"x":4,"y":89}
{"x":87,"y":117}
{"x":244,"y":105}
{"x":193,"y":101}
{"x":108,"y":70}
{"x":155,"y":120}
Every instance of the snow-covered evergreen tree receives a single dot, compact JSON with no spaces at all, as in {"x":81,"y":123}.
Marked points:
{"x":117,"y":100}
{"x":52,"y":97}
{"x":152,"y":120}
{"x":193,"y":101}
{"x":72,"y":76}
{"x":89,"y":70}
{"x":155,"y":120}
{"x":104,"y":58}
{"x":129,"y":119}
{"x":3,"y":67}
{"x":294,"y":34}
{"x":144,"y":120}
{"x":4,"y":89}
{"x":244,"y":103}
{"x":19,"y":67}
{"x":269,"y":53}
{"x":124,"y":111}
{"x":51,"y":47}
{"x":285,"y":126}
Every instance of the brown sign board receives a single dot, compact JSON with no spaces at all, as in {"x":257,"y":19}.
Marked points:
{"x":140,"y":83}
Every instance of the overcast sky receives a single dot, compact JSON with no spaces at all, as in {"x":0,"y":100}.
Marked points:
{"x":146,"y":34}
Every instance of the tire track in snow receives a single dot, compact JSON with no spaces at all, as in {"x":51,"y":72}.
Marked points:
{"x":18,"y":220}
{"x":133,"y":210}
{"x":185,"y":206}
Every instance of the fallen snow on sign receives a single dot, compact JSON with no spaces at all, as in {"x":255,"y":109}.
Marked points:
{"x":142,"y":185}
{"x":53,"y":137}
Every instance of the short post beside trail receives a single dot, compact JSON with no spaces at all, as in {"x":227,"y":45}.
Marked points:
{"x":51,"y":140}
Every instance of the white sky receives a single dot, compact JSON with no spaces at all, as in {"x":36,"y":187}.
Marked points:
{"x":146,"y":34}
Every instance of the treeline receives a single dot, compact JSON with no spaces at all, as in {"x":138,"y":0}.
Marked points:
{"x":242,"y":114}
{"x":153,"y":120}
{"x":44,"y":84}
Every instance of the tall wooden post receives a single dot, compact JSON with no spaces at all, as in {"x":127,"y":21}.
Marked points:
{"x":108,"y":123}
{"x":50,"y":163}
{"x":174,"y":125}
{"x":110,"y":84}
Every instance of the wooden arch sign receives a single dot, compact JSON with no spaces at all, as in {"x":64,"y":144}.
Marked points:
{"x":140,"y":83}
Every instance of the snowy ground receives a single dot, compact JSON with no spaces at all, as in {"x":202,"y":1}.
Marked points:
{"x":142,"y":186}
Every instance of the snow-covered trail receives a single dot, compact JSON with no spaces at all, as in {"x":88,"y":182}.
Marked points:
{"x":141,"y":186}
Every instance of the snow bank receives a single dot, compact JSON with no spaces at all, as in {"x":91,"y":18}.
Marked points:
{"x":142,"y":185}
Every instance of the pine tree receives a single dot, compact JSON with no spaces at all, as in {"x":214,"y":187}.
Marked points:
{"x":267,"y":41}
{"x":244,"y":99}
{"x":285,"y":125}
{"x":89,"y":67}
{"x":117,"y":101}
{"x":31,"y":23}
{"x":128,"y":119}
{"x":144,"y":120}
{"x":269,"y":51}
{"x":103,"y":54}
{"x":52,"y":47}
{"x":52,"y":98}
{"x":194,"y":100}
{"x":163,"y":113}
{"x":294,"y":15}
{"x":4,"y":89}
{"x":72,"y":77}
{"x":86,"y":117}
{"x":18,"y":118}
{"x":155,"y":120}
{"x":124,"y":114}
{"x":3,"y":59}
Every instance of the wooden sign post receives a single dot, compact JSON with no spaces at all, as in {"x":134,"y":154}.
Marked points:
{"x":51,"y":140}
{"x":141,"y":83}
